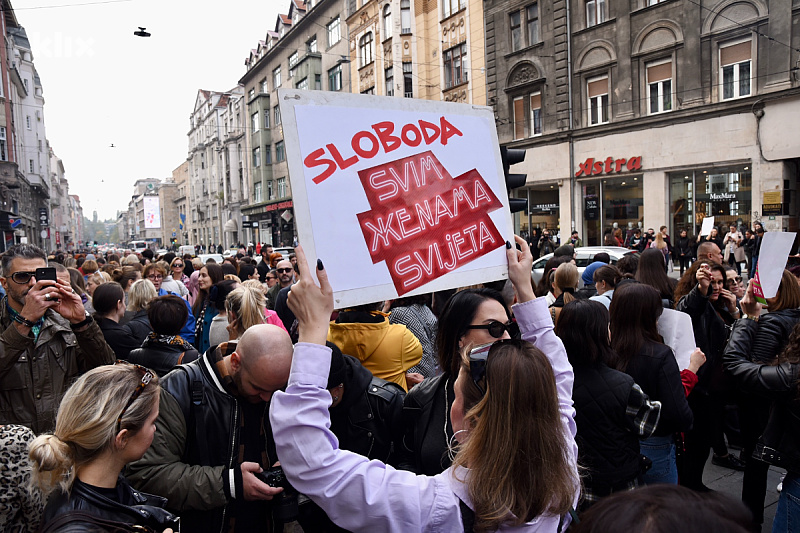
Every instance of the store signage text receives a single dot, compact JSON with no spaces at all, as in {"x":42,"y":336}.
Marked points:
{"x":544,"y":207}
{"x":593,"y":168}
{"x":722,"y":196}
{"x":281,"y":205}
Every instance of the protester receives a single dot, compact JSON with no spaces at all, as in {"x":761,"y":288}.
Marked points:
{"x":48,"y":340}
{"x":759,"y":236}
{"x":109,"y":311}
{"x":464,"y":321}
{"x":270,"y":317}
{"x":107,"y":419}
{"x":205,"y":454}
{"x":612,"y":411}
{"x":125,"y":276}
{"x":628,"y":264}
{"x":546,"y":244}
{"x":651,"y":272}
{"x":78,"y":284}
{"x":605,"y":281}
{"x":643,"y":355}
{"x":778,"y":444}
{"x":661,"y":245}
{"x":285,"y":272}
{"x":587,"y":278}
{"x":565,"y":284}
{"x":164,"y":347}
{"x":202,"y":309}
{"x":683,"y":248}
{"x":509,"y":446}
{"x":170,"y":285}
{"x":21,"y":504}
{"x":218,"y":332}
{"x":178,"y":271}
{"x":92,"y":282}
{"x":264,"y":266}
{"x":544,"y":287}
{"x":415,"y":313}
{"x":139,"y":297}
{"x":734,"y":282}
{"x":731,"y":244}
{"x":387,"y":350}
{"x":709,"y":252}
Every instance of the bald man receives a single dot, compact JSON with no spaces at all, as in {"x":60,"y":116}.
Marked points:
{"x":709,"y":251}
{"x":213,"y":434}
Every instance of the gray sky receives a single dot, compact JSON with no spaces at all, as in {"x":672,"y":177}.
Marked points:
{"x":103,"y":85}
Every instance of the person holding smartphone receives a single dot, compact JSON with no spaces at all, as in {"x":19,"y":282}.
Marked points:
{"x":47,"y":339}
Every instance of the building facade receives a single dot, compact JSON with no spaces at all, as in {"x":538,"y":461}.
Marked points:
{"x":180,"y":176}
{"x":308,"y":49}
{"x":647,"y":113}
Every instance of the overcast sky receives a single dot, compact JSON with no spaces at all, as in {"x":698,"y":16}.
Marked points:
{"x":102,"y":85}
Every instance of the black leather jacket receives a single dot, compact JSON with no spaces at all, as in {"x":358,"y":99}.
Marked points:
{"x":162,"y":357}
{"x":779,"y":445}
{"x":135,"y":508}
{"x":773,"y":333}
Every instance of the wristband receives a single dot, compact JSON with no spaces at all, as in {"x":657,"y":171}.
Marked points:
{"x":24,"y":321}
{"x":750,"y":317}
{"x":85,"y":322}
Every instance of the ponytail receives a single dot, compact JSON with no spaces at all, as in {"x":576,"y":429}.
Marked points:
{"x":247,"y":304}
{"x":53,"y":463}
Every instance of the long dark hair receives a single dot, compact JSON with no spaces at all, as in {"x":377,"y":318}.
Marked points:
{"x":583,"y":328}
{"x":216,"y":274}
{"x":651,"y":272}
{"x":688,"y":280}
{"x":635,"y":309}
{"x":458,"y":313}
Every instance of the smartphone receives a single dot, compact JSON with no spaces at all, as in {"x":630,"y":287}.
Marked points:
{"x":47,"y":273}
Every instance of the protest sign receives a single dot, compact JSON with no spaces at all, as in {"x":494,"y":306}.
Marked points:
{"x":708,"y":223}
{"x":396,"y":196}
{"x":676,"y":329}
{"x":775,"y":248}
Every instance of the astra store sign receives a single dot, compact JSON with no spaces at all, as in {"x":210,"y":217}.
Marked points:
{"x":592,"y":167}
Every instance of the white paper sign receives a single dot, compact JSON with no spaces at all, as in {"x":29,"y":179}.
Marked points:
{"x":676,"y":328}
{"x":396,"y":196}
{"x":708,"y":223}
{"x":775,"y":248}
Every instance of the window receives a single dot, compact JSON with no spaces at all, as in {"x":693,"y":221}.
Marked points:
{"x":30,"y":165}
{"x":256,"y":157}
{"x":452,"y":6}
{"x":251,"y":94}
{"x":527,"y":115}
{"x":257,"y":197}
{"x":3,"y":148}
{"x":387,"y":21}
{"x":532,"y":16}
{"x":405,"y":16}
{"x":280,"y":155}
{"x":265,"y":114}
{"x":334,"y":32}
{"x":276,"y":77}
{"x":595,"y":12}
{"x":335,"y":78}
{"x":516,"y":31}
{"x":293,"y":60}
{"x":371,"y":90}
{"x":389,"y":73}
{"x":455,"y":72}
{"x":254,"y":121}
{"x":302,"y":84}
{"x":270,"y":191}
{"x":311,"y":45}
{"x":408,"y":85}
{"x":365,"y":49}
{"x":597,"y":90}
{"x":735,"y":64}
{"x":263,"y":87}
{"x":268,"y":154}
{"x":277,"y":112}
{"x":28,"y":121}
{"x":318,"y":82}
{"x":281,"y":187}
{"x":659,"y":87}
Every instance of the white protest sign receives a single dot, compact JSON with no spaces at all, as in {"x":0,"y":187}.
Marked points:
{"x":775,"y":248}
{"x":676,"y":329}
{"x":396,"y":196}
{"x":708,"y":223}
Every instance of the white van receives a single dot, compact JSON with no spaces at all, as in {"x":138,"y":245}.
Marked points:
{"x":137,"y":246}
{"x":186,"y":249}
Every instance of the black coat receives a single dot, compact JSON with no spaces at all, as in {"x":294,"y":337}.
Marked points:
{"x":118,"y":337}
{"x":655,"y":370}
{"x":134,"y":508}
{"x":773,"y":333}
{"x":140,"y":326}
{"x":162,"y":357}
{"x":684,"y":246}
{"x":428,"y":430}
{"x":779,"y":445}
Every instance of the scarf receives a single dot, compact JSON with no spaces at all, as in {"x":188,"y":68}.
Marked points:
{"x":154,"y":339}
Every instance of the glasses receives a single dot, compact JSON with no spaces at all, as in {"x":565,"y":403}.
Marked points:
{"x":497,"y":328}
{"x":147,"y":377}
{"x":283,"y":270}
{"x":155,"y":276}
{"x":177,"y":265}
{"x":22,"y":277}
{"x":270,"y":278}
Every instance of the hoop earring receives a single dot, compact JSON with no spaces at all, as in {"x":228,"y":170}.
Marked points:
{"x":452,"y":448}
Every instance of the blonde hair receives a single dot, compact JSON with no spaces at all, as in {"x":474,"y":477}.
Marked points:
{"x":140,"y":294}
{"x":131,"y":260}
{"x":660,"y":242}
{"x":105,"y":276}
{"x":254,"y":284}
{"x":567,"y":277}
{"x":232,"y":277}
{"x":86,"y":424}
{"x":247,"y":304}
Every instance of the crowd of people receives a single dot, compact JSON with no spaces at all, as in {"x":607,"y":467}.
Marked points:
{"x":162,"y":393}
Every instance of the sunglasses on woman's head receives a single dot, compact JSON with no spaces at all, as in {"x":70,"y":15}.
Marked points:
{"x":497,"y":328}
{"x":147,"y":377}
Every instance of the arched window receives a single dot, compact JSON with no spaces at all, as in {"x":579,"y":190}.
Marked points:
{"x":387,"y":21}
{"x":405,"y":16}
{"x":365,"y":49}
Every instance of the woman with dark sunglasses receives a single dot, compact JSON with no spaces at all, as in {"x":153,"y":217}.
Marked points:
{"x":515,"y":467}
{"x":106,"y":420}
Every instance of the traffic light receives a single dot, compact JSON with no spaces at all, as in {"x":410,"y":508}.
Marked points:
{"x":512,"y":156}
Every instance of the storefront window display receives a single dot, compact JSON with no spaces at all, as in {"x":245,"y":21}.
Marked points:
{"x":723,"y":193}
{"x":543,"y":208}
{"x":610,"y":204}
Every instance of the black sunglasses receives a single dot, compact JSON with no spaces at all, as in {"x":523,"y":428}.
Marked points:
{"x":147,"y":377}
{"x":283,"y":270}
{"x":177,"y":265}
{"x":497,"y":328}
{"x":22,"y":277}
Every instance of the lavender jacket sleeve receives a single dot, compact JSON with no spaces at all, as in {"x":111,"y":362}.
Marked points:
{"x":363,"y":495}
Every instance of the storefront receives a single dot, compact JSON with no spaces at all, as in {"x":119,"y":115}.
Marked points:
{"x":273,"y":223}
{"x":723,"y":192}
{"x":543,"y":211}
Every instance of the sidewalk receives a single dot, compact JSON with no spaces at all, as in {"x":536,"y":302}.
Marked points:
{"x":730,"y":482}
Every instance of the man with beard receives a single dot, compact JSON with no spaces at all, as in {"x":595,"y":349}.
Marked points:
{"x":213,"y":435}
{"x":285,"y":273}
{"x":47,"y":341}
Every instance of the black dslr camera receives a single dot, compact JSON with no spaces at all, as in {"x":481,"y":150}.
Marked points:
{"x":287,"y":507}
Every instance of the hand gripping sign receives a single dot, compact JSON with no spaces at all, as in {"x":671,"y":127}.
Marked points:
{"x":397,"y":196}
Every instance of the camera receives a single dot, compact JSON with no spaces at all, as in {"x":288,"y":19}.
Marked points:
{"x":286,"y":509}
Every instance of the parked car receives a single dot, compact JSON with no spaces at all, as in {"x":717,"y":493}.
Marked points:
{"x":584,"y":257}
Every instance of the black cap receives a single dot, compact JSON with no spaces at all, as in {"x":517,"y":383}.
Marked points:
{"x":338,"y":372}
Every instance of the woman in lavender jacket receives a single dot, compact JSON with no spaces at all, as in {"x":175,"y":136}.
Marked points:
{"x":515,"y":469}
